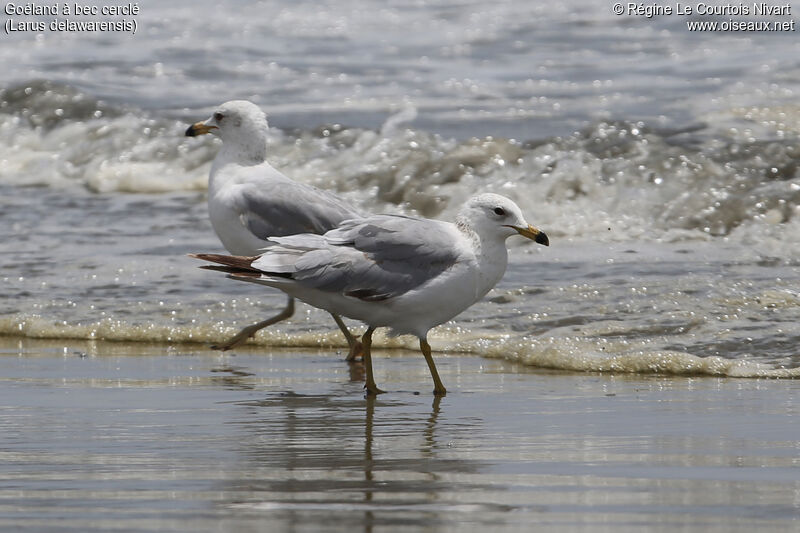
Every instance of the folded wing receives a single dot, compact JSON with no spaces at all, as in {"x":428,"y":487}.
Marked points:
{"x":280,"y":206}
{"x":373,"y":259}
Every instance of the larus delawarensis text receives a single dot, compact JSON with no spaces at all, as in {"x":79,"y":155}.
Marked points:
{"x":249,"y":201}
{"x":405,"y":273}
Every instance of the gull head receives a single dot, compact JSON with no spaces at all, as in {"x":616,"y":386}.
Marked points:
{"x":240,"y":124}
{"x":497,"y":217}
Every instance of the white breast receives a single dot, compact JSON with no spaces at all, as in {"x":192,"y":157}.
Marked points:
{"x":225,"y":217}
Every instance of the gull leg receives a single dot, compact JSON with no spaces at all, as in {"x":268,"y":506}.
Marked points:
{"x":356,"y":348}
{"x":366,"y":341}
{"x":438,"y":388}
{"x":249,"y":331}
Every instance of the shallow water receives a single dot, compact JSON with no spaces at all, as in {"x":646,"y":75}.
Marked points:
{"x":613,"y":307}
{"x":134,"y":437}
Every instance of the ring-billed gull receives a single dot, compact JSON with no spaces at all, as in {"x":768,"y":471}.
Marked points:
{"x":249,"y":201}
{"x":405,"y":273}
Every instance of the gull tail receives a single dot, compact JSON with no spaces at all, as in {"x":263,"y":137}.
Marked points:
{"x":236,"y":265}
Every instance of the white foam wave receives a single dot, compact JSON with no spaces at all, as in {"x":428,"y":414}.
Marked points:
{"x":613,"y":181}
{"x":577,"y":354}
{"x":568,"y":354}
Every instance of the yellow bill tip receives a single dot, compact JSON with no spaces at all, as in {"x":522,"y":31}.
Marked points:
{"x":534,"y":234}
{"x":199,"y":128}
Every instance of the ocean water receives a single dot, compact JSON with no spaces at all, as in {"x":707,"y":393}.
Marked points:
{"x":662,"y":163}
{"x":126,"y":438}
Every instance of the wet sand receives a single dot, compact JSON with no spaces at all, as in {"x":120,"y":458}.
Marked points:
{"x":137,"y":437}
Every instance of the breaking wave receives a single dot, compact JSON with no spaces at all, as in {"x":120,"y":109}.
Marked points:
{"x":612,"y":180}
{"x":561,"y":353}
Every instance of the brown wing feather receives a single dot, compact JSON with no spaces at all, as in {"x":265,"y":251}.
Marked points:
{"x":232,"y":264}
{"x":238,"y":272}
{"x":237,"y":265}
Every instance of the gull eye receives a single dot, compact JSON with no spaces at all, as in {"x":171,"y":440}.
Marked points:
{"x":218,"y":116}
{"x":499,"y":211}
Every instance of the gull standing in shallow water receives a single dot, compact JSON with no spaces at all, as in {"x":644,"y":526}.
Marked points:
{"x":408,"y":274}
{"x":249,"y":201}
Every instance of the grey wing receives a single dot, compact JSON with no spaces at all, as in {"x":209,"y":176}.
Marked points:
{"x":289,"y":208}
{"x":373,"y":259}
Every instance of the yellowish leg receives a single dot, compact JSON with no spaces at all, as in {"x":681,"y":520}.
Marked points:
{"x":438,"y":388}
{"x":356,"y":348}
{"x":249,"y":331}
{"x":366,"y":342}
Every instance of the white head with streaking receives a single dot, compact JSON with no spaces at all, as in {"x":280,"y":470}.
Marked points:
{"x":243,"y":128}
{"x":487,"y":220}
{"x":492,"y":214}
